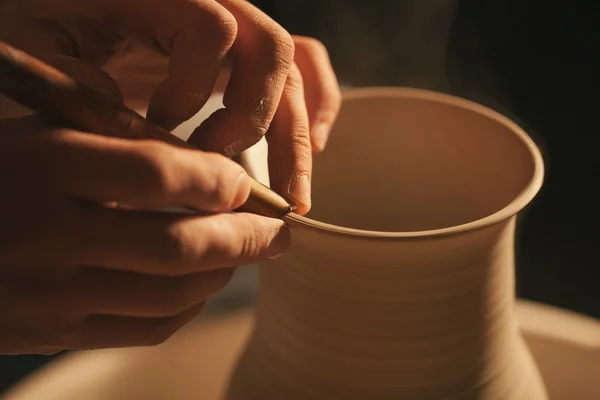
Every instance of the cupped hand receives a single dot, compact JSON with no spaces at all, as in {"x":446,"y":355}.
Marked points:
{"x":79,"y":273}
{"x":279,"y":86}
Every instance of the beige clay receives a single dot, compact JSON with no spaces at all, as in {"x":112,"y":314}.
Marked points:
{"x":404,"y":289}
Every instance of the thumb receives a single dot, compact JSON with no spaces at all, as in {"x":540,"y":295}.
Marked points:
{"x":88,"y":74}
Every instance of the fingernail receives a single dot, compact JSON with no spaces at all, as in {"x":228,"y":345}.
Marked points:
{"x":321,"y":134}
{"x":300,"y":191}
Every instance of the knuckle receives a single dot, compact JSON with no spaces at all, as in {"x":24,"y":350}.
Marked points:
{"x":285,"y":41}
{"x":157,"y":174}
{"x":222,"y":27}
{"x":218,"y":238}
{"x":277,"y":41}
{"x":301,"y":143}
{"x":300,"y":137}
{"x":222,"y":192}
{"x":179,"y":248}
{"x":223,"y":182}
{"x":222,"y":195}
{"x":285,"y":48}
{"x":228,"y":27}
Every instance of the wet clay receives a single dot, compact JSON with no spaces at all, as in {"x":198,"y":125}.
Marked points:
{"x":400,"y":284}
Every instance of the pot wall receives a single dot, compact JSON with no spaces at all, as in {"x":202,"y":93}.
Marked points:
{"x":402,"y":283}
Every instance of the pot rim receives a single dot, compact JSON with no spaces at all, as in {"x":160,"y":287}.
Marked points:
{"x":514,"y":207}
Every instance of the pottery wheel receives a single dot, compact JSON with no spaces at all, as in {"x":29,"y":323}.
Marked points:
{"x":195,"y":363}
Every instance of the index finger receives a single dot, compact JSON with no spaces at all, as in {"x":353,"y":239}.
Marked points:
{"x":263,"y":53}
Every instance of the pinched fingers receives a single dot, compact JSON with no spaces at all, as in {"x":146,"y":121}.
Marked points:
{"x":262,"y":55}
{"x":321,"y":89}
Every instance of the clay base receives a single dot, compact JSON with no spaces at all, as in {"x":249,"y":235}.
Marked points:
{"x":196,"y":362}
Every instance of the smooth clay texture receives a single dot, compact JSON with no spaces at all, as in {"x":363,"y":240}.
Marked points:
{"x":400,"y":285}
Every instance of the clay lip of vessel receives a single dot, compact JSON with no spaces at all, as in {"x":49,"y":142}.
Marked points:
{"x":529,"y":191}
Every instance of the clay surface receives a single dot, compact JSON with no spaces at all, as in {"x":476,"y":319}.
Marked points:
{"x":400,"y":284}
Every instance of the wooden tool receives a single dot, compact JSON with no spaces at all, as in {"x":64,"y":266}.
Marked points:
{"x":42,"y":88}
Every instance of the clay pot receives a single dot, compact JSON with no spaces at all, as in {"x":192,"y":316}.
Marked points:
{"x":400,"y":285}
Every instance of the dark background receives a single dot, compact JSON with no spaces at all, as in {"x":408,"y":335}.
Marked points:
{"x":536,"y":61}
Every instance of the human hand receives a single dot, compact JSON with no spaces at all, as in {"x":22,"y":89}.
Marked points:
{"x":293,"y":99}
{"x":77,"y":274}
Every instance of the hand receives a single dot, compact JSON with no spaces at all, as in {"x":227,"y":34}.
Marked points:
{"x":293,"y":103}
{"x":78,"y":275}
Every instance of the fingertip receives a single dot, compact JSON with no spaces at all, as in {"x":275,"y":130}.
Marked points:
{"x":323,"y":114}
{"x":299,"y":192}
{"x":270,"y":237}
{"x":320,"y":135}
{"x":279,"y":235}
{"x":302,"y":209}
